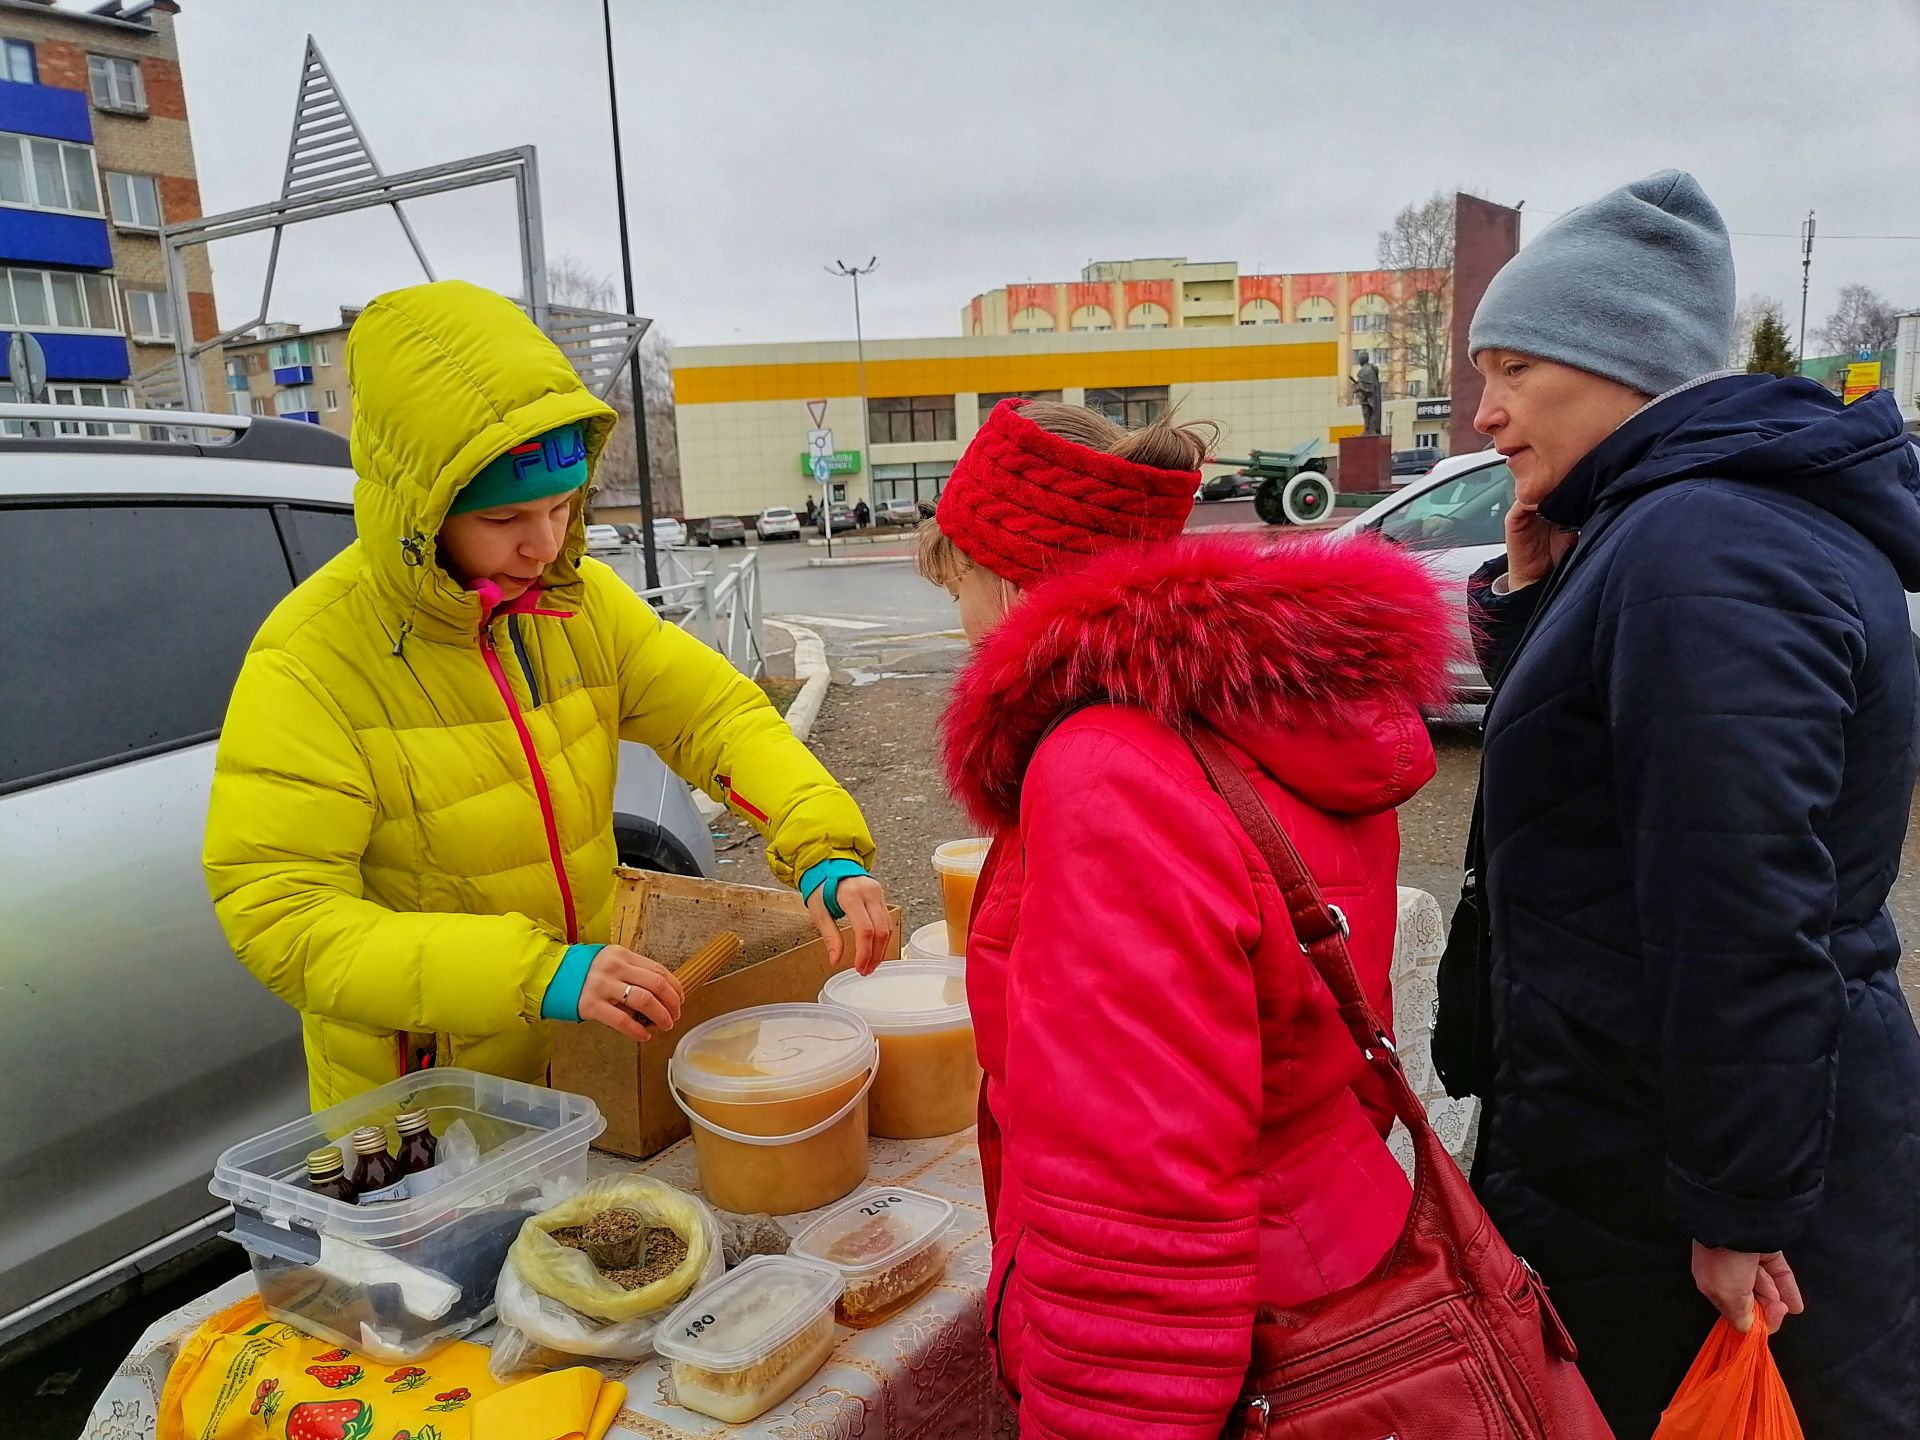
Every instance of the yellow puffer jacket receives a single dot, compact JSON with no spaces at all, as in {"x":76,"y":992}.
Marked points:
{"x":379,"y":848}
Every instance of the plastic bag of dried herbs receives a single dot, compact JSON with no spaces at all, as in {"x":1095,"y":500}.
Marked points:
{"x":591,"y":1275}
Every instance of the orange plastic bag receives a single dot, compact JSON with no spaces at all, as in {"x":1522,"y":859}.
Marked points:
{"x":1733,"y":1392}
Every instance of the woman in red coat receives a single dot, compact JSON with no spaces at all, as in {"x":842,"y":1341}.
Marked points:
{"x":1173,"y":1127}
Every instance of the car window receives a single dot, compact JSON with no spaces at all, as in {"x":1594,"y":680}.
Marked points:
{"x":1469,"y":510}
{"x":315,"y":535}
{"x":155,"y":607}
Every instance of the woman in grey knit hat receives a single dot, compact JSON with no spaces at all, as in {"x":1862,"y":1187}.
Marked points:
{"x":1674,"y":977}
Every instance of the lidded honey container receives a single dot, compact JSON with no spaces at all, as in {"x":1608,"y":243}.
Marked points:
{"x":929,"y":1080}
{"x":778,"y":1099}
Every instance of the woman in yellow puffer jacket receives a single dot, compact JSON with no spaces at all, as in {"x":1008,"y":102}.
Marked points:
{"x":411,"y":831}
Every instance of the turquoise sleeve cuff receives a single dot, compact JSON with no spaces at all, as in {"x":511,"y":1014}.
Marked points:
{"x":829,"y":874}
{"x":562,"y":1000}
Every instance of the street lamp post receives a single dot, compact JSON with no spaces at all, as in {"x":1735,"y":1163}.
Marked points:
{"x":642,"y":464}
{"x":1806,"y":277}
{"x":853,"y":273}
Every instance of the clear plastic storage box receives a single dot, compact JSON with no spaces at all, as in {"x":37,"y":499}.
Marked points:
{"x":398,"y":1279}
{"x":886,"y":1244}
{"x":750,"y":1339}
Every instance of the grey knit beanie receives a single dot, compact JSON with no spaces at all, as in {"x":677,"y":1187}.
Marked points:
{"x":1637,"y":286}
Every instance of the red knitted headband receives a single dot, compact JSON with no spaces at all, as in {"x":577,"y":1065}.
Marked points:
{"x":1026,"y":503}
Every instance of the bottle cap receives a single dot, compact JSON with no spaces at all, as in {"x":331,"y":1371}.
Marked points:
{"x":410,"y":1122}
{"x":370,"y":1140}
{"x":324,"y":1162}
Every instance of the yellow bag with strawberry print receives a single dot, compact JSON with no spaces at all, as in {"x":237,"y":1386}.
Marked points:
{"x":244,"y":1376}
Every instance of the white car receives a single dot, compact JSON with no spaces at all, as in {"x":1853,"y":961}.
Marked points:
{"x":1455,"y":519}
{"x":604,"y":540}
{"x":668,"y":531}
{"x":778,"y":522}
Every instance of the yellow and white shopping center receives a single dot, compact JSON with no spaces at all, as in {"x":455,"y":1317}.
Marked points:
{"x":744,"y":417}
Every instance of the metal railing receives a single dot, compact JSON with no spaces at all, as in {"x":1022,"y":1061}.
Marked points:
{"x":720,"y":606}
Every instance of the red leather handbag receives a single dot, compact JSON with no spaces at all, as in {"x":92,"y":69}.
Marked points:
{"x":1452,"y":1337}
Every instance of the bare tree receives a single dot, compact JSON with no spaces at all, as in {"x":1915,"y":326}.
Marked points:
{"x":1419,"y":243}
{"x":1862,"y":321}
{"x":1751,"y":311}
{"x":570,"y":281}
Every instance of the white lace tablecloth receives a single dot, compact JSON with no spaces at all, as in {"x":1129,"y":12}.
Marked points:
{"x":923,"y":1375}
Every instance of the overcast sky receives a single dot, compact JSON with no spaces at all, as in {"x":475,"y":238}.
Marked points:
{"x":972,"y":145}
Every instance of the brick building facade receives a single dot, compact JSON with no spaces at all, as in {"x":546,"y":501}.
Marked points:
{"x":99,"y":93}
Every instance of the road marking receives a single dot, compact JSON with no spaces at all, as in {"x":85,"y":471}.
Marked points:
{"x":834,"y":622}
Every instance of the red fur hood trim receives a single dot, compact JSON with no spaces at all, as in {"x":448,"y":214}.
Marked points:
{"x":1316,"y":655}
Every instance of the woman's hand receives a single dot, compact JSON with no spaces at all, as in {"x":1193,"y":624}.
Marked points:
{"x":623,"y":985}
{"x":1734,"y":1280}
{"x":864,"y":904}
{"x":1534,"y":546}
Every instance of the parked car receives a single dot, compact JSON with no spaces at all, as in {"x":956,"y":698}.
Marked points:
{"x":896,"y":512}
{"x":778,"y":522}
{"x":1417,"y":461}
{"x":1455,"y":519}
{"x":605,"y":540}
{"x":842,"y":519}
{"x":137,"y":1048}
{"x":668,"y":531}
{"x":632,"y":534}
{"x":719,"y":530}
{"x":1236,"y":485}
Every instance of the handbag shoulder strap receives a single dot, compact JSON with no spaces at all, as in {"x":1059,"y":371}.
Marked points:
{"x":1319,"y":929}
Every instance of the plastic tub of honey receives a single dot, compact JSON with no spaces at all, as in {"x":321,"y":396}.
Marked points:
{"x":958,"y":863}
{"x":929,"y":1080}
{"x":778,"y":1099}
{"x":886,"y":1244}
{"x":929,"y":942}
{"x":750,"y":1339}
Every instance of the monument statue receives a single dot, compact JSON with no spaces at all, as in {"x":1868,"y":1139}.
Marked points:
{"x":1366,"y":394}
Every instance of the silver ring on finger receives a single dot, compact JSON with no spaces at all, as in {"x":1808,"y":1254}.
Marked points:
{"x":625,"y":991}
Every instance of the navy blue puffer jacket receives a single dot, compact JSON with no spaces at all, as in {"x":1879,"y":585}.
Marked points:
{"x":1697,"y":774}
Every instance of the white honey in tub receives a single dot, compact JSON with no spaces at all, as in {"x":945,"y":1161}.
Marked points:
{"x":749,"y":1340}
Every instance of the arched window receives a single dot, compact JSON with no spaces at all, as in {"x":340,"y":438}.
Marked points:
{"x":1147,"y":316}
{"x":1031,"y":320}
{"x":1260,"y":311}
{"x":1315,"y":310}
{"x":1370,"y":315}
{"x":1091,"y":317}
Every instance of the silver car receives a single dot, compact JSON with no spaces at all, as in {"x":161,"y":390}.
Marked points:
{"x":135,"y":1047}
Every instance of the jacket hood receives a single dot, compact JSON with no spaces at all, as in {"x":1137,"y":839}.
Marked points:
{"x":1316,"y":656}
{"x":446,"y":377}
{"x":1854,"y":461}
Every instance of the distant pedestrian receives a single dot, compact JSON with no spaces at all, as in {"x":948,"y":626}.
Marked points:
{"x":813,"y":511}
{"x":1702,"y":1080}
{"x":862,"y":516}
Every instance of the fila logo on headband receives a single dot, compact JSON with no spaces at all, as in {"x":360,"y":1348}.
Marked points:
{"x":561,"y":450}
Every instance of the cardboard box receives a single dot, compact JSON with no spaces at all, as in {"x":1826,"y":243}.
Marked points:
{"x":667,"y":918}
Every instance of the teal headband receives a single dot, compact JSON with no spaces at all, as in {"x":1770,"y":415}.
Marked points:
{"x":549,"y":464}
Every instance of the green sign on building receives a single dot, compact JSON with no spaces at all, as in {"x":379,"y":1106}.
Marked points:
{"x":840,"y":462}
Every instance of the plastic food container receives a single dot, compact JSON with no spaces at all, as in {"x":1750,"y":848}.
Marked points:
{"x":929,"y":1080}
{"x":750,"y":1339}
{"x":778,"y":1099}
{"x":400,"y":1279}
{"x":886,"y":1244}
{"x":958,"y":863}
{"x":929,"y":942}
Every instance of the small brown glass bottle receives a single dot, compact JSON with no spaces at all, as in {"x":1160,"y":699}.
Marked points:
{"x":326,"y":1175}
{"x":417,"y":1145}
{"x":375,"y":1171}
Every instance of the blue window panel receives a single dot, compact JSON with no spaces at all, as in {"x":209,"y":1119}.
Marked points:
{"x":293,"y":375}
{"x":37,"y":237}
{"x":311,"y":417}
{"x":46,"y":110}
{"x":82,"y":357}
